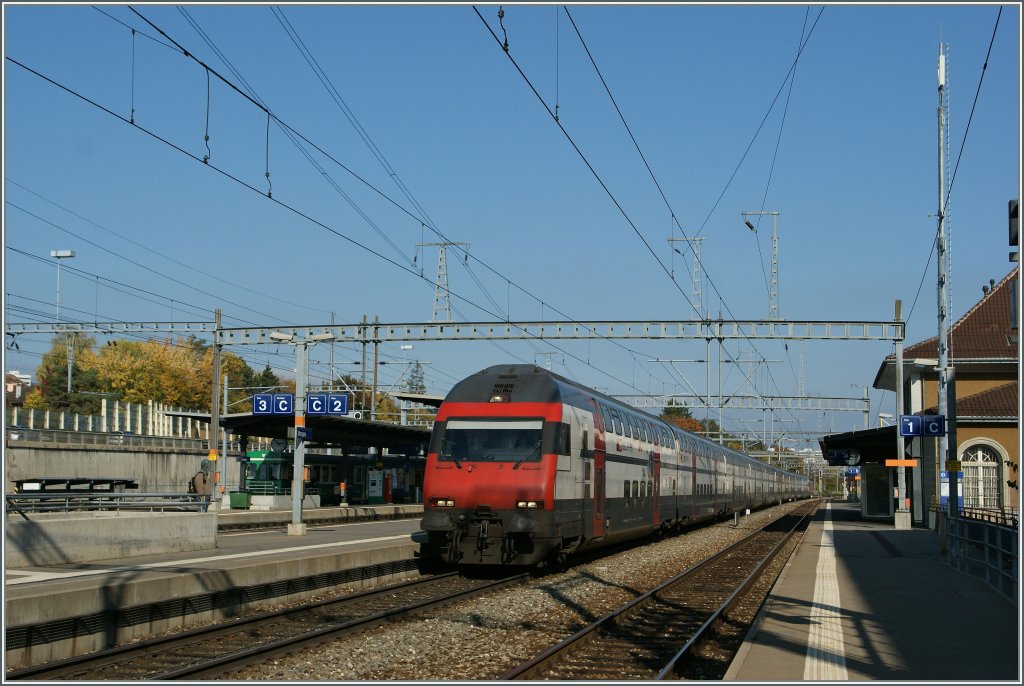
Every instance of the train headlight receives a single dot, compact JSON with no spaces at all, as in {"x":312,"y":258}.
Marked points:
{"x":530,"y":504}
{"x":442,"y":502}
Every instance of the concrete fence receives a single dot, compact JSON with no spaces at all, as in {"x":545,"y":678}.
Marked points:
{"x":150,"y":419}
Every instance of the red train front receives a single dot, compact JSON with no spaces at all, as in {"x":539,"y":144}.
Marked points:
{"x":489,"y":486}
{"x":526,"y":467}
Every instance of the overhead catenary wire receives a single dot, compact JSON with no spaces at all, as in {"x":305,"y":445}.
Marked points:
{"x":296,"y":39}
{"x":600,"y":180}
{"x":254,"y":98}
{"x":277,"y":201}
{"x":128,"y":239}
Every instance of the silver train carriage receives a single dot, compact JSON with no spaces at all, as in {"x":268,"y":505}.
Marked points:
{"x":526,"y":467}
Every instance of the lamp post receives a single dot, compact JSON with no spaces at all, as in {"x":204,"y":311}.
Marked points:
{"x":773,"y":289}
{"x":68,"y":342}
{"x":297,"y":527}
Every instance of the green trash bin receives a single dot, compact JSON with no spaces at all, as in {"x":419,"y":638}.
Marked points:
{"x":240,"y":500}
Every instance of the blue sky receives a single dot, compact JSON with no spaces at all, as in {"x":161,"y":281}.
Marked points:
{"x":471,"y":151}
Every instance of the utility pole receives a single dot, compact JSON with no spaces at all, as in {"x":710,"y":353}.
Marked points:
{"x":697,"y":291}
{"x":946,"y":451}
{"x":376,"y":345}
{"x":215,"y":405}
{"x":362,"y":385}
{"x":441,"y":297}
{"x":69,"y":339}
{"x":773,"y":288}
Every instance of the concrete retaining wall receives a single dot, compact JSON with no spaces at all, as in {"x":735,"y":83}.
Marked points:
{"x":157,"y":470}
{"x":87,"y":537}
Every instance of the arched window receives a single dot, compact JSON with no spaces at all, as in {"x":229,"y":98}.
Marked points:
{"x":982,"y":471}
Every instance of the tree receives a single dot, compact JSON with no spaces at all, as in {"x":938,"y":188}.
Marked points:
{"x":680,"y":415}
{"x":415,"y":382}
{"x":52,"y":374}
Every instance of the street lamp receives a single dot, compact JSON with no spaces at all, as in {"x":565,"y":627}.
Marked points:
{"x":68,"y":344}
{"x":60,"y":255}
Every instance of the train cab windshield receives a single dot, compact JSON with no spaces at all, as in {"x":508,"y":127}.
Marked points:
{"x":491,"y":441}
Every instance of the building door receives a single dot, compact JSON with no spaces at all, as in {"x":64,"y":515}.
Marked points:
{"x":981,"y":477}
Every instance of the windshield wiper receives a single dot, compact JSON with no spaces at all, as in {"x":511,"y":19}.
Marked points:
{"x":530,"y":454}
{"x":445,"y":449}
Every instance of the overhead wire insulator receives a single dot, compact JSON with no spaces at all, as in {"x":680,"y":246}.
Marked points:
{"x":501,"y":16}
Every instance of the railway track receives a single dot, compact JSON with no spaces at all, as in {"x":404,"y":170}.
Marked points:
{"x":655,"y":635}
{"x":212,"y":652}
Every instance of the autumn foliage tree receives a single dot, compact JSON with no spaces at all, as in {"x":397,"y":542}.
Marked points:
{"x":680,"y":415}
{"x":176,"y":372}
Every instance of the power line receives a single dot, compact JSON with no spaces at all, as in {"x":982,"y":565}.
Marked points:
{"x":270,"y":199}
{"x":159,"y":254}
{"x":128,"y":259}
{"x":600,"y":180}
{"x":255,"y":99}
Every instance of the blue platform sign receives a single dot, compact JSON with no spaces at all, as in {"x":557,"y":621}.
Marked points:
{"x":316,"y":403}
{"x":303,"y":433}
{"x":910,"y":425}
{"x":337,"y":403}
{"x":922,"y":425}
{"x":944,"y":489}
{"x":284,"y":403}
{"x":263,"y":403}
{"x":933,"y":425}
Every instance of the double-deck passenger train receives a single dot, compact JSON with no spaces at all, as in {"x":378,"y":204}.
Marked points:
{"x":526,"y":467}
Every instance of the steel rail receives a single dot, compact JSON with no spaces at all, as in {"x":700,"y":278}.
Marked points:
{"x":545,"y":661}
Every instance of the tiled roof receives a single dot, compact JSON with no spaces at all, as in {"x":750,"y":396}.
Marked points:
{"x":982,"y":333}
{"x":1001,"y":401}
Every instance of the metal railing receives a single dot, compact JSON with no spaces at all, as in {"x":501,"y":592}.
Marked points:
{"x":986,"y":548}
{"x":91,"y":501}
{"x":122,"y":439}
{"x":1005,"y":517}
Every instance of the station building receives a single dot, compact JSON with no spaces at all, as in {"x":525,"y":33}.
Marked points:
{"x":984,"y":352}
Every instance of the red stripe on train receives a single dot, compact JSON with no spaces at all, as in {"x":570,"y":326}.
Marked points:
{"x":552,"y":412}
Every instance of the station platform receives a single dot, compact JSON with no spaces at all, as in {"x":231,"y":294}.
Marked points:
{"x":863,"y":601}
{"x":56,"y":611}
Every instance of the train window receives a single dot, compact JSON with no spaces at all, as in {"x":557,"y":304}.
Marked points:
{"x":562,"y":439}
{"x":636,"y":490}
{"x":586,"y":470}
{"x":494,"y":440}
{"x":606,"y":417}
{"x":616,"y":422}
{"x":625,"y":490}
{"x":644,"y":429}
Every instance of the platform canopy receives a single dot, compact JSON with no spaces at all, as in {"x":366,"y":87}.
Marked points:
{"x":859,"y":447}
{"x":326,"y":430}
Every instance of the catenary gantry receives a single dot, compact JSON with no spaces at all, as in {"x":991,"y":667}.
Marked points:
{"x":483,"y":331}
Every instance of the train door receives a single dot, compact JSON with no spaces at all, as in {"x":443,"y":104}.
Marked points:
{"x":693,"y":479}
{"x":600,"y":428}
{"x":598,"y":493}
{"x":656,"y":485}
